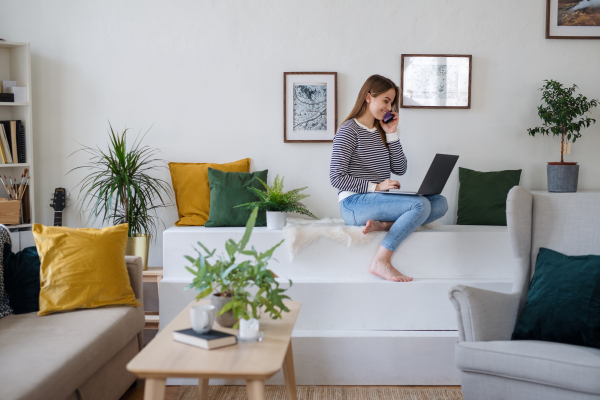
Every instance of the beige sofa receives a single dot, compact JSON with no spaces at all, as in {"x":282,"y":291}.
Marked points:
{"x":77,"y":355}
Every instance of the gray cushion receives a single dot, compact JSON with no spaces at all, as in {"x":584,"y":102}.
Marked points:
{"x":49,"y":357}
{"x":555,"y":364}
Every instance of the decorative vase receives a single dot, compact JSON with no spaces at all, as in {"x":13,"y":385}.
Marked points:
{"x":562,"y":177}
{"x":226,"y":320}
{"x":276,"y":220}
{"x":139,"y":245}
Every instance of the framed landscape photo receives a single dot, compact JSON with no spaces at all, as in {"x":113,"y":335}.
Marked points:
{"x":435,"y":81}
{"x":309,"y":106}
{"x":572,"y":19}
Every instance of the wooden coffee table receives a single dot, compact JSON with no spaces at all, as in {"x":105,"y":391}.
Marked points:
{"x":254,"y":362}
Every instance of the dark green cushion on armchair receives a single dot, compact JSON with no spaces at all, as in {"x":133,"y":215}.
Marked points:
{"x":22,"y":279}
{"x":482,"y":196}
{"x":230,"y":189}
{"x":563,"y":301}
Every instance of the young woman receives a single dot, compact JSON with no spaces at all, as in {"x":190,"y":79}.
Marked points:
{"x":365,"y":153}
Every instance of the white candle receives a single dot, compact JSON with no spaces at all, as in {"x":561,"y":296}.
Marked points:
{"x":249,"y":329}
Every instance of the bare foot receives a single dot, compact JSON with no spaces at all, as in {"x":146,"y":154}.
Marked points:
{"x":374,"y":226}
{"x":387,"y":271}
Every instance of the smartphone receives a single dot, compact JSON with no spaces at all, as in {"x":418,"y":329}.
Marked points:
{"x":387,"y":117}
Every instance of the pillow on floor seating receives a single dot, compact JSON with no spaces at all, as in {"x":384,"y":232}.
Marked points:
{"x":563,"y":301}
{"x":192,"y":192}
{"x":482,"y":196}
{"x":4,"y":307}
{"x":230,"y":189}
{"x":82,"y":268}
{"x":22,"y":279}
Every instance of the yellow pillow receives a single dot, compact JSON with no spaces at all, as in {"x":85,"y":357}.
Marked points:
{"x":82,"y":268}
{"x":192,"y":193}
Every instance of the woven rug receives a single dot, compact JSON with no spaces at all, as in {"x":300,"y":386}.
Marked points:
{"x":330,"y":393}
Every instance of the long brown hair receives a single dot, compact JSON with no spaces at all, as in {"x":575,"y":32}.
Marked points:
{"x":376,"y":85}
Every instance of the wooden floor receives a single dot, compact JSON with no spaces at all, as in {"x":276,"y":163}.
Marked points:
{"x":137,"y":392}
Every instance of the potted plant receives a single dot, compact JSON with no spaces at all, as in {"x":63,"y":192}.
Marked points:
{"x":119,"y":189}
{"x":229,"y":280}
{"x":277,"y":202}
{"x":563,"y":115}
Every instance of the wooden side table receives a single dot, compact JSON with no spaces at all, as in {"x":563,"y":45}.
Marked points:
{"x":152,"y":274}
{"x":254,"y":362}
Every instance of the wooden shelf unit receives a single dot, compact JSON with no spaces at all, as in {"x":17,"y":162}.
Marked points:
{"x":15,"y":65}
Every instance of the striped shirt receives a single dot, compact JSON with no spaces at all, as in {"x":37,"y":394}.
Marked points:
{"x":360,"y":160}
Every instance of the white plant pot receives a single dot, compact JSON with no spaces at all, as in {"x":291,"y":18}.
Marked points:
{"x":276,"y":220}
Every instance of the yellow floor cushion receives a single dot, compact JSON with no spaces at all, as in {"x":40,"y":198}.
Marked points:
{"x":192,"y":192}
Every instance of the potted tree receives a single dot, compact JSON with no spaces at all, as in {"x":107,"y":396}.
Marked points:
{"x":119,"y":189}
{"x":277,"y":202}
{"x":229,"y":280}
{"x":564,"y":115}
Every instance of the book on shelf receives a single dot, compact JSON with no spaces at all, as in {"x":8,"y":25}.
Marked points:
{"x":13,"y":140}
{"x":208,"y":341}
{"x":6,"y":158}
{"x":14,"y":147}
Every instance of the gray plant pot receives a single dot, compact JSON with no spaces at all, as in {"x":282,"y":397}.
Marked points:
{"x":563,"y":178}
{"x":226,"y":320}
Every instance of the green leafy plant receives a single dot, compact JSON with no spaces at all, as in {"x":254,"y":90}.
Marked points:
{"x":275,"y":199}
{"x":119,"y":190}
{"x":561,"y":112}
{"x":227,"y":276}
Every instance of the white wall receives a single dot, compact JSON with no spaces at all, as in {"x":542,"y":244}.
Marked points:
{"x":208,"y":77}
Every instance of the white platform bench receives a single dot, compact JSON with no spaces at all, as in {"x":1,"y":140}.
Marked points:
{"x":355,"y":328}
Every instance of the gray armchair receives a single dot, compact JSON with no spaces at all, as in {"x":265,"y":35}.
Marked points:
{"x":491,"y":365}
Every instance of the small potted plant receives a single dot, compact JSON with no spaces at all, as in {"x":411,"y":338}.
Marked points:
{"x":563,"y":115}
{"x":119,"y":190}
{"x":229,"y":280}
{"x":277,"y":202}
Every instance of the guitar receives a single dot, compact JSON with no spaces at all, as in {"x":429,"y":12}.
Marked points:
{"x":59,"y":203}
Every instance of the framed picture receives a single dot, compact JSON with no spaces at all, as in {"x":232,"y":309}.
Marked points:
{"x":309,"y":106}
{"x":435,"y":81}
{"x":572,"y":19}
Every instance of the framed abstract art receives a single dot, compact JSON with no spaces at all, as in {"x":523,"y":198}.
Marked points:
{"x":309,"y":106}
{"x":435,"y":81}
{"x":572,"y":19}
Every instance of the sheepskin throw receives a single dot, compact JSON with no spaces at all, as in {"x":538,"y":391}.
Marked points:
{"x":299,"y":233}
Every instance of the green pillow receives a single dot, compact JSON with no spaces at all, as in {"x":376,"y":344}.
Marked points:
{"x":230,"y":189}
{"x":482,"y":196}
{"x":563,"y":301}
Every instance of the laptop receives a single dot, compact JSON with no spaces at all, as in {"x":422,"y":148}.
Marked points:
{"x":436,"y":178}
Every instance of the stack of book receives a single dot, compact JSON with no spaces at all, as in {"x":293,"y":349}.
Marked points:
{"x":12,"y":142}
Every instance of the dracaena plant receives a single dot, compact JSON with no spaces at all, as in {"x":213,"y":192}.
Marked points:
{"x":273,"y":198}
{"x":119,"y":189}
{"x":228,"y":275}
{"x":563,"y":114}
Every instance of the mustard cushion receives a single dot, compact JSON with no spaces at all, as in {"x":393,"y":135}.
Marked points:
{"x":192,"y":191}
{"x":82,"y":268}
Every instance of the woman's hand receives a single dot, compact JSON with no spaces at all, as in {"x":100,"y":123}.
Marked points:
{"x":387,"y":185}
{"x":391,"y":126}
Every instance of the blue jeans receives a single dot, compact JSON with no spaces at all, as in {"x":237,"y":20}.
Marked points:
{"x":408,"y":212}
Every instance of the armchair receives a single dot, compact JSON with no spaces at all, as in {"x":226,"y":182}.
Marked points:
{"x":491,"y":365}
